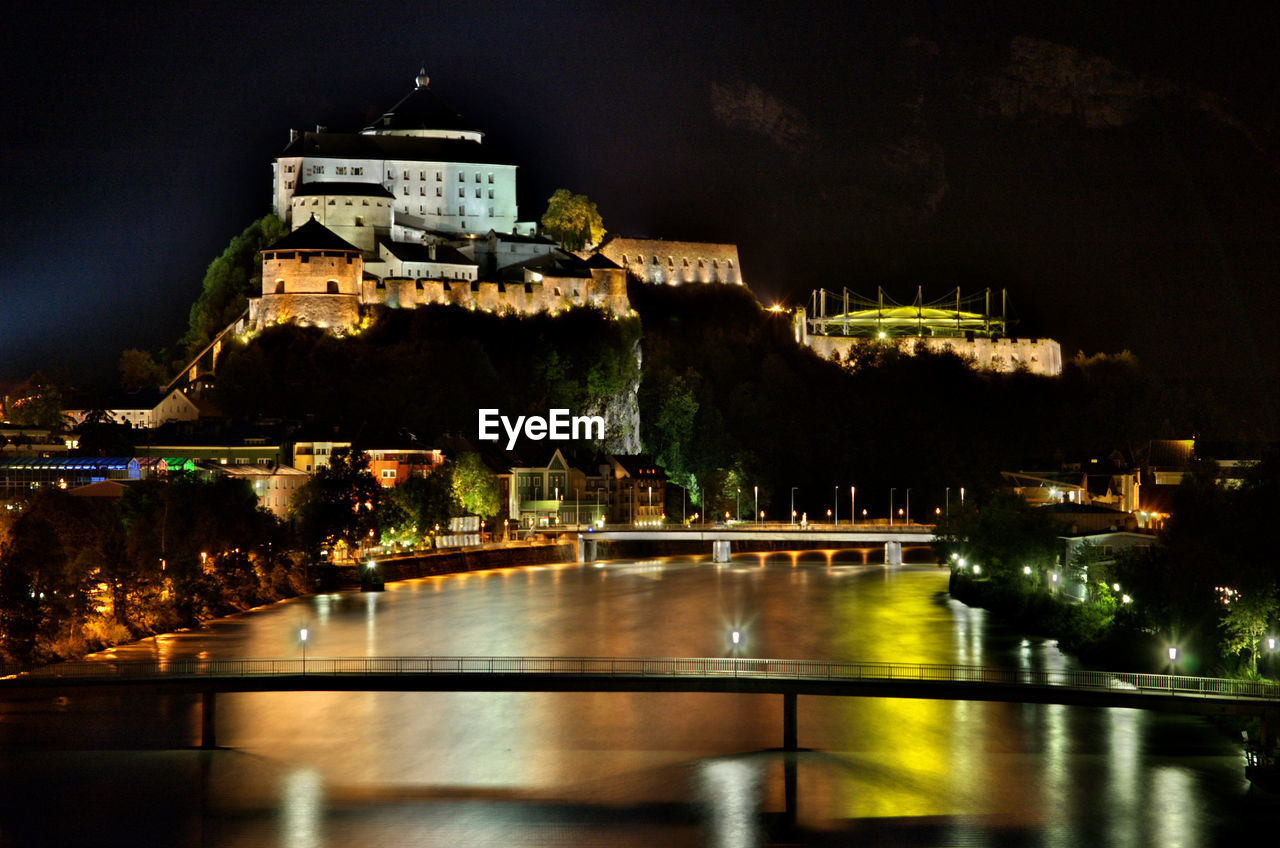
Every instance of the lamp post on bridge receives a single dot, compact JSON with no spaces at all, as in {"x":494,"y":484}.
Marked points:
{"x":793,"y":504}
{"x":908,"y":507}
{"x":891,"y":491}
{"x":853,"y":506}
{"x":737,"y":510}
{"x":756,"y":507}
{"x":836,"y":499}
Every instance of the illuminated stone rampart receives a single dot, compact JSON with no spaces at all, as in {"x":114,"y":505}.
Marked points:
{"x":1038,"y":356}
{"x":662,"y":262}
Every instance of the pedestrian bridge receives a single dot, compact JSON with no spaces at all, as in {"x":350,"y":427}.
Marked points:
{"x":722,"y":537}
{"x":788,"y":678}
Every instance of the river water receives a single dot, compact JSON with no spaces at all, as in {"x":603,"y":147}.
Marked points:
{"x":472,"y":769}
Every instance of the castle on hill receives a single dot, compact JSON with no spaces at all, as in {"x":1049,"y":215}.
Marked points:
{"x":415,"y":210}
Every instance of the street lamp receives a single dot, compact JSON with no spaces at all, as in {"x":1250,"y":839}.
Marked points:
{"x":891,"y":491}
{"x":853,"y":506}
{"x":908,"y":506}
{"x":756,"y":492}
{"x":793,"y":504}
{"x":303,"y":636}
{"x":737,"y":510}
{"x":836,"y":499}
{"x":948,"y":500}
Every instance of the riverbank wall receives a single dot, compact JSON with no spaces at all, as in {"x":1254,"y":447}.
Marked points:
{"x":327,"y":578}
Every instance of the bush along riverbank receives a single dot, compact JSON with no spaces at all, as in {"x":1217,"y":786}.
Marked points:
{"x":1096,"y":630}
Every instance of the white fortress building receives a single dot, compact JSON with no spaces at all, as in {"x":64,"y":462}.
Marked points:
{"x":412,"y":210}
{"x":420,"y":161}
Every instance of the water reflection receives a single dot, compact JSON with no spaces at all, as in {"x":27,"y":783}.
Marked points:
{"x":641,"y":768}
{"x":301,"y":809}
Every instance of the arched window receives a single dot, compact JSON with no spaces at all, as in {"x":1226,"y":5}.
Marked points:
{"x":332,"y":286}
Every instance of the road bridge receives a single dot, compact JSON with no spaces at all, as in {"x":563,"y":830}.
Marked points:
{"x":722,"y":537}
{"x":789,"y":678}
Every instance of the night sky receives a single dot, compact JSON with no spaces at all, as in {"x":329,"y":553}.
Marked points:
{"x":836,"y":144}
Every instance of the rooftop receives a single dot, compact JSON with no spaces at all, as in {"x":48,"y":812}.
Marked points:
{"x":396,"y":147}
{"x":313,"y":236}
{"x":350,"y":189}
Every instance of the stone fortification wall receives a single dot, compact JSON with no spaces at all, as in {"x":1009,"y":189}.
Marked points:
{"x":339,"y":312}
{"x":1039,"y":356}
{"x":311,"y":272}
{"x":456,"y":562}
{"x":662,"y":262}
{"x":606,"y":289}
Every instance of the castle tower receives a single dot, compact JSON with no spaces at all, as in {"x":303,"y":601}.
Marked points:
{"x":310,"y":277}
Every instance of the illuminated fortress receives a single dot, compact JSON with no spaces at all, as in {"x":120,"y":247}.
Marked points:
{"x":412,"y":210}
{"x":845,"y":325}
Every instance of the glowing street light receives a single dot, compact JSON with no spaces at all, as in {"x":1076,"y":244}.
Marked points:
{"x":793,"y":504}
{"x":303,"y":636}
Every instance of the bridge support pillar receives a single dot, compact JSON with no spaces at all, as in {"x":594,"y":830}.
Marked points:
{"x":208,"y":720}
{"x":720,"y":551}
{"x":893,"y":553}
{"x":789,"y":721}
{"x":587,"y":549}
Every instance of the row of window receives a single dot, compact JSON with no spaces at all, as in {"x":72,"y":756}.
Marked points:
{"x":422,"y":175}
{"x":457,"y":275}
{"x":462,"y":210}
{"x":715,"y":263}
{"x":332,"y":202}
{"x":462,"y":192}
{"x":358,"y":170}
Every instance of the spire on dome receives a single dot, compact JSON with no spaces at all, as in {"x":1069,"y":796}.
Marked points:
{"x":422,"y":79}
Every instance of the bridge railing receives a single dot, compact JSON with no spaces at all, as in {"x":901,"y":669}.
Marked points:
{"x":788,"y":669}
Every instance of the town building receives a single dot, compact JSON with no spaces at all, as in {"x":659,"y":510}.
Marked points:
{"x":274,"y":485}
{"x":145,"y":409}
{"x":637,"y":490}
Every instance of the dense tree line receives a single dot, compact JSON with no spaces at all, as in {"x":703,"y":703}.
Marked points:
{"x":1208,"y":586}
{"x":1211,"y":585}
{"x":430,"y":369}
{"x":342,"y":508}
{"x":729,"y":401}
{"x":78,"y":573}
